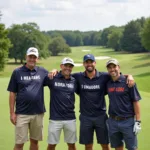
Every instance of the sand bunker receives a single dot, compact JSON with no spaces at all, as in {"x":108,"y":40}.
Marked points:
{"x":78,"y":65}
{"x":86,"y":50}
{"x":101,"y":57}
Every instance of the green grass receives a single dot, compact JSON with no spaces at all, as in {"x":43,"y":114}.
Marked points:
{"x":136,"y":64}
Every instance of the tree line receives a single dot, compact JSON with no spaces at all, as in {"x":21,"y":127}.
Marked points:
{"x":15,"y":40}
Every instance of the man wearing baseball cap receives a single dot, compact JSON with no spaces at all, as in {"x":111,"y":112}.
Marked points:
{"x":91,"y":85}
{"x":124,"y":109}
{"x":62,"y":116}
{"x":26,"y":101}
{"x":91,"y":90}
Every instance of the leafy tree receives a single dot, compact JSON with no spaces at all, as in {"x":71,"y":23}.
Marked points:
{"x":104,"y":36}
{"x":78,"y":41}
{"x":97,"y":38}
{"x":25,"y":36}
{"x":114,"y":40}
{"x":107,"y":31}
{"x":70,"y":37}
{"x":58,"y":45}
{"x":145,"y":34}
{"x":53,"y":34}
{"x":4,"y":46}
{"x":131,"y":40}
{"x":86,"y":39}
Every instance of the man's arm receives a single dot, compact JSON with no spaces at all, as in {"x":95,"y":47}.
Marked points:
{"x":12,"y":101}
{"x":137,"y":124}
{"x":52,"y":73}
{"x":136,"y":105}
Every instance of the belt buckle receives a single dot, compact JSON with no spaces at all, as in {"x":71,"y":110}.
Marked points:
{"x":117,"y":118}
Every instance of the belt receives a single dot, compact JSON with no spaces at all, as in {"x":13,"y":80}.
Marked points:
{"x":120,"y":118}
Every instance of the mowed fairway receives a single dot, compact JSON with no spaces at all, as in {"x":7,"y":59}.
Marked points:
{"x":136,"y":64}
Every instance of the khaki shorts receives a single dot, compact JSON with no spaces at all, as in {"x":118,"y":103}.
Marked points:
{"x":31,"y":123}
{"x":55,"y":128}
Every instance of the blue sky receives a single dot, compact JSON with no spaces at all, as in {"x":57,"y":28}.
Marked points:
{"x":81,"y":15}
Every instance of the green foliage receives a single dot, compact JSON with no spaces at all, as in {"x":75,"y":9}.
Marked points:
{"x":114,"y":40}
{"x":104,"y":35}
{"x":126,"y":38}
{"x":131,"y":40}
{"x":25,"y":36}
{"x":58,"y":45}
{"x":97,"y":38}
{"x":4,"y":46}
{"x":78,"y":41}
{"x":145,"y":34}
{"x":86,"y":39}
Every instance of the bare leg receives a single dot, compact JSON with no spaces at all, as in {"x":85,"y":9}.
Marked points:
{"x":71,"y":146}
{"x":89,"y":147}
{"x":34,"y":144}
{"x":105,"y":146}
{"x":18,"y":147}
{"x":119,"y":148}
{"x":51,"y":146}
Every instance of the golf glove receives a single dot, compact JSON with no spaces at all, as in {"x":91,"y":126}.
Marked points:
{"x":137,"y":127}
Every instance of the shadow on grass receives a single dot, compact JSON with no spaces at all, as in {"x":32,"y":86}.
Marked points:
{"x":110,"y":52}
{"x":146,"y":56}
{"x":142,"y":65}
{"x":143,"y":74}
{"x":14,"y":64}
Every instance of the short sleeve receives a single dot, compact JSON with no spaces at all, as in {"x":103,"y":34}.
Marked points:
{"x":13,"y":86}
{"x":134,"y":93}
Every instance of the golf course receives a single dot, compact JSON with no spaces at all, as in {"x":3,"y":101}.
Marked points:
{"x":137,"y":64}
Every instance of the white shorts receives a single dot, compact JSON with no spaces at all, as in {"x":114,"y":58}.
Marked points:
{"x":55,"y":128}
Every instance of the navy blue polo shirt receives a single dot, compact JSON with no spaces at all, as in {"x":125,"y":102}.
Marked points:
{"x":121,"y":97}
{"x":28,"y":86}
{"x":92,"y":93}
{"x":62,"y":97}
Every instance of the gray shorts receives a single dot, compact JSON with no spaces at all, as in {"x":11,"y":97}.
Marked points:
{"x":55,"y":128}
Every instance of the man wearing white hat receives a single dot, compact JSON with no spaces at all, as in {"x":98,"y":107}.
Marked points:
{"x":62,"y":116}
{"x":26,"y":101}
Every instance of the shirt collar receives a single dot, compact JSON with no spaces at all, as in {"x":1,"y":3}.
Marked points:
{"x":59,"y":75}
{"x":120,"y":79}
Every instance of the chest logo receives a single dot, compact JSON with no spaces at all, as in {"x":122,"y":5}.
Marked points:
{"x":37,"y":77}
{"x":118,"y":89}
{"x":90,"y":86}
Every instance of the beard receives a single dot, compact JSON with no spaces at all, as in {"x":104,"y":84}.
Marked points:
{"x":90,"y":69}
{"x":114,"y":74}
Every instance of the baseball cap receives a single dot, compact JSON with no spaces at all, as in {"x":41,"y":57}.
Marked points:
{"x":67,"y":60}
{"x":32,"y":51}
{"x":112,"y":61}
{"x":88,"y":57}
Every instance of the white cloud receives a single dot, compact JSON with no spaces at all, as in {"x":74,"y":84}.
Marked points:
{"x":73,"y":14}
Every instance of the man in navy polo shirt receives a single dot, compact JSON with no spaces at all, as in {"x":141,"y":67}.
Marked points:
{"x":62,"y":98}
{"x":26,"y":101}
{"x":124,"y":109}
{"x":91,"y":90}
